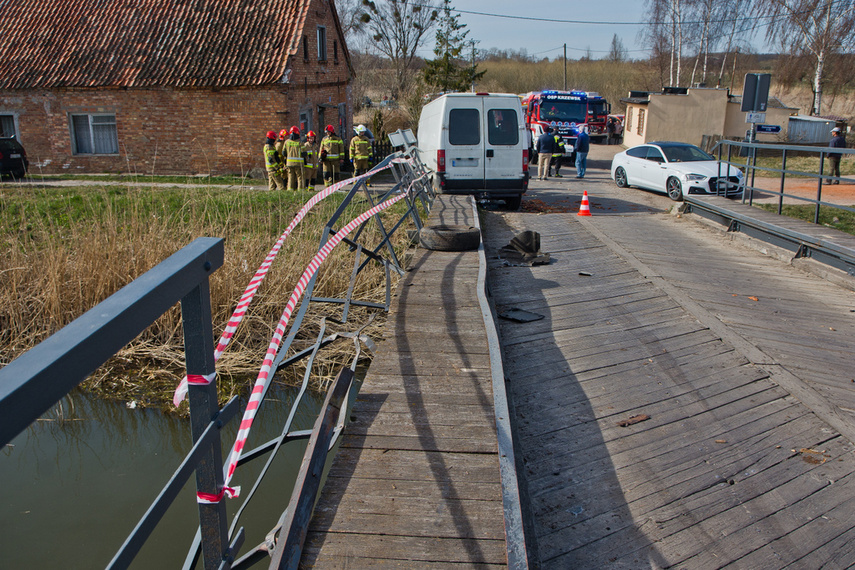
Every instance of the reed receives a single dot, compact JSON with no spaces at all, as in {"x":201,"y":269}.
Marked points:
{"x":70,"y":248}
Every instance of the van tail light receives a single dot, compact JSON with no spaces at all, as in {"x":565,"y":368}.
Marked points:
{"x":525,"y":160}
{"x":440,"y":160}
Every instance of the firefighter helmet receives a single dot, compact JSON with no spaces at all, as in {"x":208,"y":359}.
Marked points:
{"x":294,"y":131}
{"x":360,"y":129}
{"x":283,"y":133}
{"x":311,"y":134}
{"x":330,"y":129}
{"x":271,"y":134}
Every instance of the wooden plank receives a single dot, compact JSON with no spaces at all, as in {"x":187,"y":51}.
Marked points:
{"x":414,"y":466}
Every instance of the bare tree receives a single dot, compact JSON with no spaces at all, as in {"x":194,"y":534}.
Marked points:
{"x":822,"y":28}
{"x":617,"y":51}
{"x":665,"y":20}
{"x":398,"y":29}
{"x":353,"y":16}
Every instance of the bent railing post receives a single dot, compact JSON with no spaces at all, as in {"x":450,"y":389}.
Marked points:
{"x":295,"y":526}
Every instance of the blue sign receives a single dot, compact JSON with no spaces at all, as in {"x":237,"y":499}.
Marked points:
{"x":768,"y":128}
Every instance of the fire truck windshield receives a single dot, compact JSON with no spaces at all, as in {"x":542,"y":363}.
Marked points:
{"x":599,"y":109}
{"x":563,"y":111}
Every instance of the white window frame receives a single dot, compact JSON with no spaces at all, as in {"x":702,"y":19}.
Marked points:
{"x":92,"y":138}
{"x":322,"y":43}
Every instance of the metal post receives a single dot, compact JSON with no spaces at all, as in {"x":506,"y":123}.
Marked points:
{"x":565,"y":67}
{"x":199,"y":356}
{"x":783,"y":176}
{"x":819,"y":186}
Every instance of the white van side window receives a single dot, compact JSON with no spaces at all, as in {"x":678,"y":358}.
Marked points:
{"x":503,"y":127}
{"x":464,"y":127}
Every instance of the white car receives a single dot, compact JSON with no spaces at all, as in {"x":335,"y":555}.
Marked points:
{"x":677,"y":169}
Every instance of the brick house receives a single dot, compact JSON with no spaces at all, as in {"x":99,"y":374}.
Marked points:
{"x":167,"y":86}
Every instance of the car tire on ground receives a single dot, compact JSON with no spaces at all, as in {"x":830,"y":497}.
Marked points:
{"x":620,"y":177}
{"x":674,"y":189}
{"x":450,"y":238}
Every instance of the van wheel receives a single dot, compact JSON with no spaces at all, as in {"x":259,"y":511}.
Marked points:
{"x":513,"y":203}
{"x":450,"y":238}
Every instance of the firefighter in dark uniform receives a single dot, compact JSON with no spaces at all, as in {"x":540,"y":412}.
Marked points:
{"x":273,"y":163}
{"x":294,"y":159}
{"x":332,"y":149}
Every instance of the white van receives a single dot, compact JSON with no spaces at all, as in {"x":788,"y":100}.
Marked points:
{"x":475,"y":143}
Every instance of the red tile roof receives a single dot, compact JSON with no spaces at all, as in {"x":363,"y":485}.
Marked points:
{"x":147,"y":43}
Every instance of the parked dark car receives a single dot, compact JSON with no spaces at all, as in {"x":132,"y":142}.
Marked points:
{"x":13,"y":158}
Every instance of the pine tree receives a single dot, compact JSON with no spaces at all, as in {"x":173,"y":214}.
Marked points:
{"x":449,"y":72}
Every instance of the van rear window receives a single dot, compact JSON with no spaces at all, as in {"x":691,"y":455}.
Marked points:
{"x":503,"y":127}
{"x":464,"y":127}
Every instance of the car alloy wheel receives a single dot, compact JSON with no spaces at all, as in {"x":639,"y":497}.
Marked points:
{"x":675,"y":189}
{"x":620,"y":177}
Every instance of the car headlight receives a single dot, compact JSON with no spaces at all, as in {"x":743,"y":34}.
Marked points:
{"x":695,"y":177}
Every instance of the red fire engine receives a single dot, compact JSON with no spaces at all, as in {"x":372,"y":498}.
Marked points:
{"x":566,"y":112}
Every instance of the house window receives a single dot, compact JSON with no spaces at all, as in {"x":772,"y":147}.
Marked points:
{"x":628,"y":122}
{"x":335,"y":51}
{"x":94,"y":134}
{"x":305,"y":48}
{"x":305,"y":123}
{"x":7,"y":125}
{"x":640,"y":122}
{"x":322,"y":43}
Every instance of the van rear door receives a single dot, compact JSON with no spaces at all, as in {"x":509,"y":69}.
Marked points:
{"x":464,"y":163}
{"x":503,"y":153}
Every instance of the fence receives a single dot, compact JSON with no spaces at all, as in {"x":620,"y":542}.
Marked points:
{"x":38,"y":379}
{"x":752,"y":150}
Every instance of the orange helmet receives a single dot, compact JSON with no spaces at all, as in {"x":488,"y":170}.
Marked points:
{"x":311,"y":134}
{"x":330,"y":129}
{"x":294,"y":131}
{"x":271,"y":134}
{"x":283,"y":133}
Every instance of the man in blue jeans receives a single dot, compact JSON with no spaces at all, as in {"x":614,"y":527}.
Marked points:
{"x":582,"y":146}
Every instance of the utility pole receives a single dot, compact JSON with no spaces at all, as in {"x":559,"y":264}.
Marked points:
{"x":565,"y":67}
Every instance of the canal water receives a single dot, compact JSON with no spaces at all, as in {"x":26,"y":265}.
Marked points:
{"x":77,"y":481}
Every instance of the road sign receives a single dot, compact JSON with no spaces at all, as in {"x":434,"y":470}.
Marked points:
{"x":755,"y":117}
{"x":755,"y":92}
{"x":768,"y":128}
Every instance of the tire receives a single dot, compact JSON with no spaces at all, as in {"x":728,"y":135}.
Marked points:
{"x":450,"y":238}
{"x":620,"y":177}
{"x":513,"y":203}
{"x":674,"y":189}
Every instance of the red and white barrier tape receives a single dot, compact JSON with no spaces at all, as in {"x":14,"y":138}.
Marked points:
{"x":255,"y":282}
{"x":264,"y":373}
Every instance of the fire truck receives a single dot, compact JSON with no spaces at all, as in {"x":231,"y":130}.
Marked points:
{"x":566,"y":112}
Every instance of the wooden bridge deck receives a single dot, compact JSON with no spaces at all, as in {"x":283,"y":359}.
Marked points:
{"x":416,"y":483}
{"x":681,"y":404}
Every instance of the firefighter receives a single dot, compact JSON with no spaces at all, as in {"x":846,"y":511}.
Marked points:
{"x":294,"y":159}
{"x":310,"y":151}
{"x":332,"y":149}
{"x":558,"y":155}
{"x":360,"y":151}
{"x":273,"y":163}
{"x":280,"y":142}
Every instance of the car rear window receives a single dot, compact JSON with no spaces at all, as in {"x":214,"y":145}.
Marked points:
{"x":502,"y":127}
{"x":464,"y":127}
{"x":10,"y":146}
{"x":638,"y":152}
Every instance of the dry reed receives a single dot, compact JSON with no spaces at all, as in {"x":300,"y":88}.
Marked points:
{"x":70,"y":248}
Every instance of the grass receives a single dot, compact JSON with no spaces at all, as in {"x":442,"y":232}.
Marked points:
{"x":835,"y":218}
{"x":202,"y":179}
{"x":806,"y":164}
{"x":69,"y":248}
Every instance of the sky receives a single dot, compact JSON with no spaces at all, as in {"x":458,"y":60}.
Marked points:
{"x":582,"y":25}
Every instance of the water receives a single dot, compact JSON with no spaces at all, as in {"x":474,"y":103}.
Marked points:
{"x":77,"y":482}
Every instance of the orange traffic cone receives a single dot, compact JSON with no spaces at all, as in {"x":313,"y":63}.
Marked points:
{"x":584,"y":209}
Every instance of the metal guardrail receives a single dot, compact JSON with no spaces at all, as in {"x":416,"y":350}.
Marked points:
{"x":801,"y":244}
{"x":41,"y":377}
{"x":750,"y":150}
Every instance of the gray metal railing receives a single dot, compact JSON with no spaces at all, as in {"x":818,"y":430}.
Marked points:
{"x":751,"y":150}
{"x":38,"y":379}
